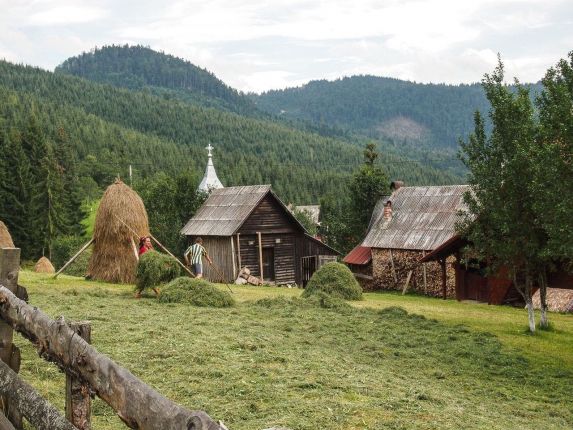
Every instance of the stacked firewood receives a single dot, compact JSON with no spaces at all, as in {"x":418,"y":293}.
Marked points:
{"x":245,"y":277}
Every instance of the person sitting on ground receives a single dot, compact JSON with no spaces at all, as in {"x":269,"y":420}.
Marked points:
{"x":194,"y":257}
{"x":145,"y":245}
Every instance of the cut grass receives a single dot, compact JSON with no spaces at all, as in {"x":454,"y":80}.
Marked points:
{"x":285,"y":362}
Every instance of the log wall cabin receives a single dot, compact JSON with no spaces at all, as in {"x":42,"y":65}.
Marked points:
{"x":249,"y":226}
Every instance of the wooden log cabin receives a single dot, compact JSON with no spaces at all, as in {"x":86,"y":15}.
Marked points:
{"x":249,"y":226}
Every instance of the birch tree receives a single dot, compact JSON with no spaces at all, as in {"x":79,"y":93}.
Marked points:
{"x":502,"y":223}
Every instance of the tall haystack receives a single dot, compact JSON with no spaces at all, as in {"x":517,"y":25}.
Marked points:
{"x":44,"y":266}
{"x":5,"y":238}
{"x":113,"y":258}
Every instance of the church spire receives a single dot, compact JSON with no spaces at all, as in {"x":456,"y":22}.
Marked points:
{"x":210,"y":180}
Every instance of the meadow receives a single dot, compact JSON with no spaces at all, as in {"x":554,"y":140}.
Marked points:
{"x":388,"y":361}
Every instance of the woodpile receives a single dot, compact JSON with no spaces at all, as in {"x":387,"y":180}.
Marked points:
{"x":245,"y":277}
{"x":44,"y":266}
{"x":388,"y":278}
{"x":558,"y":300}
{"x":5,"y":238}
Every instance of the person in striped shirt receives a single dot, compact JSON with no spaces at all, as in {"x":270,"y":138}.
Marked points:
{"x":194,"y":257}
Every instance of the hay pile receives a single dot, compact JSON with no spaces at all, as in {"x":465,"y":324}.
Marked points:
{"x":558,"y":300}
{"x":335,"y":279}
{"x":155,"y":269}
{"x":5,"y":238}
{"x":113,"y":259}
{"x":196,"y":292}
{"x":44,"y":266}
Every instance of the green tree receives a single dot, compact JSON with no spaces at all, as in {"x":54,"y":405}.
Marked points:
{"x":502,"y":223}
{"x":553,"y":180}
{"x":368,"y":185}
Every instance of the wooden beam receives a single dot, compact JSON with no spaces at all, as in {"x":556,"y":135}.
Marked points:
{"x":189,"y":272}
{"x":78,"y":399}
{"x":260,"y":255}
{"x":239,"y":250}
{"x":41,"y":414}
{"x":233,"y":258}
{"x":444,"y":286}
{"x":9,"y":354}
{"x":137,"y":404}
{"x":424,"y":273}
{"x":407,"y":282}
{"x":71,"y":260}
{"x":135,"y":251}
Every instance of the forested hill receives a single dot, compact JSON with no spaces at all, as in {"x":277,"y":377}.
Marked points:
{"x":109,"y":128}
{"x":417,"y":115}
{"x":139,"y":67}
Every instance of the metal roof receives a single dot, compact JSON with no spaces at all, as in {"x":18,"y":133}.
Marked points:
{"x":225,"y":210}
{"x":359,"y":255}
{"x":422,"y":218}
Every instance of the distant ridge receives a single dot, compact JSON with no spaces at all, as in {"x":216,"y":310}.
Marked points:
{"x":139,"y":67}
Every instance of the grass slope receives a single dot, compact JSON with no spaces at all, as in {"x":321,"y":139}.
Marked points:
{"x":285,"y":363}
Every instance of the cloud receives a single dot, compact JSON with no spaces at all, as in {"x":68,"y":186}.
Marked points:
{"x":257,"y":45}
{"x":65,"y":15}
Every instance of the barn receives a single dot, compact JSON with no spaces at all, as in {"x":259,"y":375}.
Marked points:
{"x":249,"y":226}
{"x":473,"y":282}
{"x":407,"y":225}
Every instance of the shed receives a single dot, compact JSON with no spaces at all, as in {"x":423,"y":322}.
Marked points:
{"x":249,"y":226}
{"x":413,"y":222}
{"x":359,"y":261}
{"x":472,"y":282}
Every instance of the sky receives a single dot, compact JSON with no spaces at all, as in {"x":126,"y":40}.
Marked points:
{"x":255,"y":45}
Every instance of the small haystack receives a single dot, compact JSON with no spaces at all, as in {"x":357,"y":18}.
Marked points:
{"x":44,"y":266}
{"x":113,"y":258}
{"x":558,"y":300}
{"x":5,"y":238}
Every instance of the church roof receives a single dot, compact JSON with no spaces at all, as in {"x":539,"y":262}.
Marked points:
{"x":210,"y":180}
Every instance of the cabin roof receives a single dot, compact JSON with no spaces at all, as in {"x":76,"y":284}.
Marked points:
{"x":422,"y":218}
{"x":360,"y":255}
{"x":226,"y":209}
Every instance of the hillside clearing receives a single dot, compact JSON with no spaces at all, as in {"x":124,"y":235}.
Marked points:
{"x":285,"y":363}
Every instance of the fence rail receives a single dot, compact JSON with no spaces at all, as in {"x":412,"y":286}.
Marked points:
{"x":138,"y":405}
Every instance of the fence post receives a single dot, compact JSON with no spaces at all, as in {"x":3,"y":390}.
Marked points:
{"x":9,"y":353}
{"x":78,"y":400}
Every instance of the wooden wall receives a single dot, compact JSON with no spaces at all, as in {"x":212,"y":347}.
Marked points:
{"x":285,"y":261}
{"x":269,"y":217}
{"x":219,"y":249}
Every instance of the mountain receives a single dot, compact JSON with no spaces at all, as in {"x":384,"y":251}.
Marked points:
{"x":413,"y":116}
{"x":141,"y":68}
{"x":111,"y":128}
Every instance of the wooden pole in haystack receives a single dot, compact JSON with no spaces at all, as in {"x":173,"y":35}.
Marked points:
{"x":162,"y":247}
{"x":71,"y":260}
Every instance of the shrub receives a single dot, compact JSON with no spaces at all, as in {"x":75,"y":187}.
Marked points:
{"x":155,"y":269}
{"x":64,"y":248}
{"x":196,"y":292}
{"x":335,"y":279}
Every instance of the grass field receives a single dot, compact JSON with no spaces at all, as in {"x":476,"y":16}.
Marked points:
{"x":391,"y":361}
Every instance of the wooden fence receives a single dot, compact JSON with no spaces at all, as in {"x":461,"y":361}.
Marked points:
{"x":311,"y":264}
{"x":87,"y":372}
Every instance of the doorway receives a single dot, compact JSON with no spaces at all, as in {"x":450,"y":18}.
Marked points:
{"x":269,"y":264}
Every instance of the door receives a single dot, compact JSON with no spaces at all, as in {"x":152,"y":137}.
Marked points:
{"x":269,"y":264}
